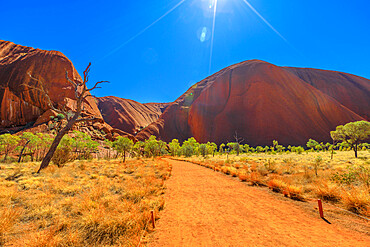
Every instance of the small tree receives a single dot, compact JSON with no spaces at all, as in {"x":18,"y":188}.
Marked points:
{"x":203,"y":150}
{"x":353,"y":134}
{"x":211,"y":148}
{"x":151,"y":146}
{"x":174,"y":147}
{"x":312,"y":144}
{"x":139,"y":148}
{"x":123,"y":145}
{"x":190,"y":147}
{"x":8,"y":143}
{"x":317,"y":164}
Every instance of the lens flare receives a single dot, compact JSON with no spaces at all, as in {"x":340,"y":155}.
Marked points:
{"x":263,"y":19}
{"x":213,"y":35}
{"x":203,"y":35}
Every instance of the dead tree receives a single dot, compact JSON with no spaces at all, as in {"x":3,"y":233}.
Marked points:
{"x":238,"y":141}
{"x":81,"y":93}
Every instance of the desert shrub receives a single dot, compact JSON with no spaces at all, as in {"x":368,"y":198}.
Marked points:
{"x":243,"y":177}
{"x":262,"y":170}
{"x":327,"y":192}
{"x":276,"y":185}
{"x":254,"y":178}
{"x":359,"y":174}
{"x":357,"y":200}
{"x":294,"y":192}
{"x":62,"y":156}
{"x":270,"y":166}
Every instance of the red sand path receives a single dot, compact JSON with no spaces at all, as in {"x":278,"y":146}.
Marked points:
{"x":206,"y":208}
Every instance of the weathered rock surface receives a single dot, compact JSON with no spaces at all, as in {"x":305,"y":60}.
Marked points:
{"x":128,"y":115}
{"x":262,"y":102}
{"x":24,"y":99}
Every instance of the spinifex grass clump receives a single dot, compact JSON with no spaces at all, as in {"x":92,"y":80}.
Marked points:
{"x":82,"y":204}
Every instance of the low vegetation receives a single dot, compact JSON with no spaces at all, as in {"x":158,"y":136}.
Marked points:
{"x":100,"y":193}
{"x":85,"y":203}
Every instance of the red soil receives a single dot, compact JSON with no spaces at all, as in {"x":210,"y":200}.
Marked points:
{"x":205,"y":208}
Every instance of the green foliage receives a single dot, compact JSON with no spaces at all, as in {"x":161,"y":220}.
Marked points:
{"x":353,"y":134}
{"x":246,"y":148}
{"x":83,"y":145}
{"x":203,"y":149}
{"x":276,"y":147}
{"x":123,"y":145}
{"x":139,"y":148}
{"x":317,"y":164}
{"x":190,"y":147}
{"x":211,"y":148}
{"x":234,"y":147}
{"x":312,"y":144}
{"x":174,"y":146}
{"x":8,"y":143}
{"x":154,"y":147}
{"x":60,"y":116}
{"x":359,"y":174}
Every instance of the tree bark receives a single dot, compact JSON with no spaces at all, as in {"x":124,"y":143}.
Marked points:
{"x":46,"y":161}
{"x":24,"y":147}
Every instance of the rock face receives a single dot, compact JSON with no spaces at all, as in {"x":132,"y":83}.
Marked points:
{"x":262,"y":102}
{"x":128,"y":115}
{"x":24,"y":100}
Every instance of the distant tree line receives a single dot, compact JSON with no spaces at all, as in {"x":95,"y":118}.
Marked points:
{"x":79,"y":145}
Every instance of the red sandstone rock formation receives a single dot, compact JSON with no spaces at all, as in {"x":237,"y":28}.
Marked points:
{"x":23,"y":99}
{"x":128,"y":115}
{"x":263,"y":102}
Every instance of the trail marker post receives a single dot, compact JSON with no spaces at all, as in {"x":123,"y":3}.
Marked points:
{"x":152,"y":218}
{"x":320,"y":208}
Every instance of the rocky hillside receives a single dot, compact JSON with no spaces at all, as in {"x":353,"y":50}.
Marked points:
{"x":31,"y":79}
{"x":128,"y":115}
{"x":262,"y":102}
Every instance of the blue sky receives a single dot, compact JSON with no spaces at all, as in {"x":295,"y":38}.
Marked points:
{"x":152,"y":59}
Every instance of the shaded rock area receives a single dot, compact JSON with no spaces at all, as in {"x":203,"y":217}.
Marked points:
{"x":128,"y":115}
{"x":262,"y":102}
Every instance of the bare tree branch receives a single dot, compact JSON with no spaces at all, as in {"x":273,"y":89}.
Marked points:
{"x":96,"y":85}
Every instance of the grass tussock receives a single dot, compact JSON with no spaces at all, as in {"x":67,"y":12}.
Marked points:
{"x":95,"y":203}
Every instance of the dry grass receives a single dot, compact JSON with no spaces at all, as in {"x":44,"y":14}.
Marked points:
{"x":96,"y":203}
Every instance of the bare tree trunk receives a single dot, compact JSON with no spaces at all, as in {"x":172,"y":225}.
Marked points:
{"x":24,"y":147}
{"x":80,"y":97}
{"x":46,"y":161}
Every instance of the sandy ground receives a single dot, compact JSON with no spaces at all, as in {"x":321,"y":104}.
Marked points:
{"x":206,"y":208}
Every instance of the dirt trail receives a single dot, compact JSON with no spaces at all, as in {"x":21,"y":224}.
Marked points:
{"x":205,"y":208}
